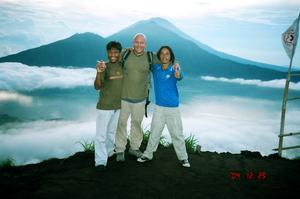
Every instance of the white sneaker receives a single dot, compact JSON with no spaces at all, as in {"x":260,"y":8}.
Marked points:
{"x":143,"y":159}
{"x":120,"y":157}
{"x":185,"y":163}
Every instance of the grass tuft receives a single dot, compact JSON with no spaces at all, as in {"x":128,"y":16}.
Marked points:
{"x":191,"y":143}
{"x":87,"y":146}
{"x":162,"y":140}
{"x":8,"y":162}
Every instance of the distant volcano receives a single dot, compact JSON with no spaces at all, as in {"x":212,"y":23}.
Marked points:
{"x":197,"y":59}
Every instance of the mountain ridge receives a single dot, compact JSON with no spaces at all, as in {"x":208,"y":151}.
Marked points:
{"x":84,"y":49}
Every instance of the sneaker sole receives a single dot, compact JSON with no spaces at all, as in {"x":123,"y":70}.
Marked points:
{"x":141,"y":160}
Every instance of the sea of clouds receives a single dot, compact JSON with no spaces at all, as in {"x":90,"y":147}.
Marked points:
{"x":222,"y":124}
{"x":232,"y":125}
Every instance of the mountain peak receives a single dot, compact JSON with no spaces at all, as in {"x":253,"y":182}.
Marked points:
{"x":161,"y":21}
{"x":80,"y":49}
{"x":85,"y":35}
{"x":155,"y":20}
{"x":158,"y":20}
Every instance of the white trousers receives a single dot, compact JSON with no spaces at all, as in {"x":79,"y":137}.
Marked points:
{"x":106,"y":125}
{"x":171,"y":117}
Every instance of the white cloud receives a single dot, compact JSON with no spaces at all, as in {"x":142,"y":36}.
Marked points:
{"x":277,"y":83}
{"x":237,"y":124}
{"x":13,"y":96}
{"x":16,"y":76}
{"x":87,"y":13}
{"x":35,"y":141}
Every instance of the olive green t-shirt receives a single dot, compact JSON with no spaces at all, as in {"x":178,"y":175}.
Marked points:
{"x":136,"y":77}
{"x":111,"y":87}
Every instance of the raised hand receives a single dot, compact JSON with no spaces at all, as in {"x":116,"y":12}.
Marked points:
{"x":101,"y":66}
{"x":176,"y":67}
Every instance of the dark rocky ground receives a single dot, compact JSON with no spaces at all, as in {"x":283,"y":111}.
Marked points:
{"x":212,"y":175}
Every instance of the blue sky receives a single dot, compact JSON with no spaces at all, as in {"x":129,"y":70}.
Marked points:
{"x":250,"y":28}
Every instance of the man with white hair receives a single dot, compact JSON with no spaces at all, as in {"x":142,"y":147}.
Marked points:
{"x":134,"y":95}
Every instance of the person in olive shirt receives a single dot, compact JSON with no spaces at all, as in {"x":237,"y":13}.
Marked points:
{"x":109,"y":81}
{"x":134,"y":93}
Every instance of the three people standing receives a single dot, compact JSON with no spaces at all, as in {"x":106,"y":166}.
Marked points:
{"x":135,"y":80}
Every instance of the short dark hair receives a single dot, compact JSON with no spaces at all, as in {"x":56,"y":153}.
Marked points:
{"x":172,"y":58}
{"x":114,"y":44}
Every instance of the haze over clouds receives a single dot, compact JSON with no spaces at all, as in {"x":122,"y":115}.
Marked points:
{"x":17,"y":76}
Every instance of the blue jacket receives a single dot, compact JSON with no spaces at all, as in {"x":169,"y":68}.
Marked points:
{"x":166,"y":93}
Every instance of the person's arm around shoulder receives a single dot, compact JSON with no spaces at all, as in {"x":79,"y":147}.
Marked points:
{"x":152,"y":67}
{"x":100,"y":67}
{"x":155,"y":58}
